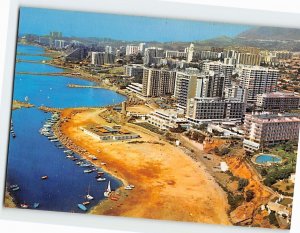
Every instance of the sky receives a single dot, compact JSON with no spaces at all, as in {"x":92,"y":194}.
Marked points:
{"x":121,"y":27}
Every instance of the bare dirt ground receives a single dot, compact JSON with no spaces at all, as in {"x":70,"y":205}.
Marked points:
{"x":169,"y":185}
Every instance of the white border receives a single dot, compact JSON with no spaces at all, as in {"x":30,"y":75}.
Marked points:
{"x":153,"y":8}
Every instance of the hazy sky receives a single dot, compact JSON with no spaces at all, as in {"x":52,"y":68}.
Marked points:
{"x":82,"y":24}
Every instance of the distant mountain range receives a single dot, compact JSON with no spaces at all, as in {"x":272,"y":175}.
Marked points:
{"x":271,"y":33}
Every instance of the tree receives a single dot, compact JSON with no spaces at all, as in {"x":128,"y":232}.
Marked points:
{"x":242,"y":184}
{"x":249,"y":195}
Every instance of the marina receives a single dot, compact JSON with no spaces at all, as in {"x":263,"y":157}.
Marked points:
{"x":53,"y":180}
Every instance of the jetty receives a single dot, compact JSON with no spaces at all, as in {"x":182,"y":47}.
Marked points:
{"x":49,"y":109}
{"x":83,"y":86}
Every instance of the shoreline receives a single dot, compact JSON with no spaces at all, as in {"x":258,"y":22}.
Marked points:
{"x":124,"y":207}
{"x":107,"y":207}
{"x":79,"y":75}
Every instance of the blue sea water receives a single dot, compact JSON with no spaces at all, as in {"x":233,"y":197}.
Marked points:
{"x":32,"y":155}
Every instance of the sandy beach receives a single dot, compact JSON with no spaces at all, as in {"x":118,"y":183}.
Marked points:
{"x":169,"y":185}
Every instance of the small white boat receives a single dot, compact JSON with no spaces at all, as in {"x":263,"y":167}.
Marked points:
{"x":108,"y":190}
{"x":128,"y":187}
{"x":89,"y":197}
{"x":88,"y":171}
{"x":101,"y":179}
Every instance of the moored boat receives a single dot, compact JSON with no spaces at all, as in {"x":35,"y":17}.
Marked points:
{"x":88,"y":171}
{"x":101,"y":179}
{"x":108,"y":190}
{"x":82,"y":207}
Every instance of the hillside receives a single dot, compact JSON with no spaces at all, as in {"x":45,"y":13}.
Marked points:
{"x":271,"y":33}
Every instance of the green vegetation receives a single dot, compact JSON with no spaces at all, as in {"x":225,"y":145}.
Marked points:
{"x":273,"y":219}
{"x":242,"y":184}
{"x":276,"y":172}
{"x":195,"y":135}
{"x":249,"y":195}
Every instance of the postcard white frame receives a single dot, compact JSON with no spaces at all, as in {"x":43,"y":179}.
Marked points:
{"x":153,"y":8}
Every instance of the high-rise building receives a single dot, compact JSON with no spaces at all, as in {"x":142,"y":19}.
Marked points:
{"x":185,"y":86}
{"x":190,"y":53}
{"x":235,"y":92}
{"x":108,"y":49}
{"x":101,"y":58}
{"x":251,"y":59}
{"x":210,"y":84}
{"x":158,"y":82}
{"x":258,"y":80}
{"x":220,"y":67}
{"x":200,"y":110}
{"x":59,"y":44}
{"x":153,"y":55}
{"x":142,"y":48}
{"x":135,"y":70}
{"x":269,"y":129}
{"x":277,"y":101}
{"x":132,"y":49}
{"x":56,"y":35}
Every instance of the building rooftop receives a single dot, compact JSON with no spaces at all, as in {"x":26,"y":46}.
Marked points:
{"x":279,"y":95}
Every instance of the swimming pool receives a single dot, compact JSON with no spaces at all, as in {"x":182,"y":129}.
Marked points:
{"x":267,"y":158}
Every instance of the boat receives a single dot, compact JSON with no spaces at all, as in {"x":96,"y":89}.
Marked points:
{"x":44,"y":177}
{"x":88,"y":171}
{"x":24,"y":206}
{"x":15,"y":189}
{"x":108,"y":190}
{"x":68,"y":151}
{"x":86,"y":203}
{"x":100,"y":173}
{"x":114,"y":198}
{"x":82,"y":207}
{"x":36,"y":205}
{"x":26,"y":98}
{"x":13,"y":186}
{"x":101,"y":179}
{"x":89,"y":197}
{"x":85,"y":165}
{"x":128,"y":187}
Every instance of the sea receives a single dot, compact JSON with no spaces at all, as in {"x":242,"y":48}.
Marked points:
{"x":31,"y":155}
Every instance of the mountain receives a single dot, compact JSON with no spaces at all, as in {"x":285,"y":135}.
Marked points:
{"x":271,"y":33}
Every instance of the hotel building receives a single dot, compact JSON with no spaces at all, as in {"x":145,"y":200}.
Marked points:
{"x":101,"y":58}
{"x":132,"y":49}
{"x":277,"y":101}
{"x":220,"y":67}
{"x":200,"y":110}
{"x":158,"y":82}
{"x":185,"y":86}
{"x":258,"y":80}
{"x":269,"y":129}
{"x":166,"y":119}
{"x":135,"y":70}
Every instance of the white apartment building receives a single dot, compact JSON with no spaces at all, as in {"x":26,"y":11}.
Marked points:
{"x":158,"y":82}
{"x":132,"y":49}
{"x":277,"y":101}
{"x":200,"y":110}
{"x":135,"y":88}
{"x":166,"y":119}
{"x":258,"y":80}
{"x":219,"y":67}
{"x":235,"y":92}
{"x":269,"y":129}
